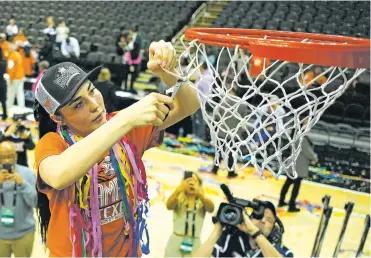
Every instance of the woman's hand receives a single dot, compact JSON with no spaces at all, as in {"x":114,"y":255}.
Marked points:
{"x":199,"y":191}
{"x":149,"y":111}
{"x":162,"y":55}
{"x":11,"y":130}
{"x":183,"y":185}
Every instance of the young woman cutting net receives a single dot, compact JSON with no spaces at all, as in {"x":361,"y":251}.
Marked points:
{"x":91,"y":179}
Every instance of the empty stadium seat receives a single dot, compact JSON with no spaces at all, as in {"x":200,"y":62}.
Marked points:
{"x":354,"y":114}
{"x":329,"y":29}
{"x":334,"y":113}
{"x":286,"y":26}
{"x":314,"y":28}
{"x":300,"y":27}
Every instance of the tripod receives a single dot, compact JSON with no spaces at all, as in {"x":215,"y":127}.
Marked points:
{"x":325,"y":218}
{"x":364,"y":236}
{"x":348,"y":208}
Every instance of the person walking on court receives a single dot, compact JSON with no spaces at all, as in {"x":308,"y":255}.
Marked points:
{"x":305,"y":157}
{"x":17,"y":202}
{"x":16,"y":74}
{"x":204,"y":83}
{"x":3,"y":86}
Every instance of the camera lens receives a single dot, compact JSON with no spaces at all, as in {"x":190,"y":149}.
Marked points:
{"x":230,"y":215}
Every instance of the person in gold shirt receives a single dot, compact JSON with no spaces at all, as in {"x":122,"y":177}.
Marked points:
{"x":4,"y":45}
{"x":311,"y":75}
{"x":20,"y":40}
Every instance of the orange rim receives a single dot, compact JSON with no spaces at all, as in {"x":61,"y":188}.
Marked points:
{"x":320,"y":49}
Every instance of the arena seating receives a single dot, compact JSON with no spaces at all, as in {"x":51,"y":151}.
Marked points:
{"x":98,"y":23}
{"x":342,"y":148}
{"x":349,"y":19}
{"x":342,"y":18}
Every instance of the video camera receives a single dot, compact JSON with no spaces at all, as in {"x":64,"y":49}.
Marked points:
{"x":19,"y":118}
{"x":231,"y":213}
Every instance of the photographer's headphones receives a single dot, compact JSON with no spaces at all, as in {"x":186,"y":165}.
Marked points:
{"x":275,"y":237}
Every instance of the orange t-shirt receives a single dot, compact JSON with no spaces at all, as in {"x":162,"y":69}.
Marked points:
{"x":5,"y":47}
{"x":15,"y":66}
{"x":114,"y":242}
{"x":19,"y":40}
{"x":28,"y":63}
{"x":257,"y":65}
{"x":309,"y":76}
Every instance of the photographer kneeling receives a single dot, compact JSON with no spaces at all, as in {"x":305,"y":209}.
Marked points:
{"x":257,"y":235}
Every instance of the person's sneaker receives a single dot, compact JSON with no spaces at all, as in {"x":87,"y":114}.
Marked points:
{"x":133,"y":91}
{"x":232,"y":175}
{"x":293,"y":209}
{"x":282,"y":204}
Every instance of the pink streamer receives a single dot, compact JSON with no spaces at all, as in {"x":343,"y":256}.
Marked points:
{"x":94,"y":206}
{"x":88,"y":235}
{"x":137,"y":173}
{"x":72,"y":214}
{"x":133,"y":162}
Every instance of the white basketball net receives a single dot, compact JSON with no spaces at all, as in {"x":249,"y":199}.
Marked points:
{"x":268,"y":133}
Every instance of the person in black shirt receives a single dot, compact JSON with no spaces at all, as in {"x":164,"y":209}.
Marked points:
{"x":3,"y":86}
{"x":107,"y":88}
{"x":20,"y":135}
{"x":252,"y":238}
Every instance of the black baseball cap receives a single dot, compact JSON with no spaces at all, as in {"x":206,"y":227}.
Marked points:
{"x":269,"y":205}
{"x":60,"y":83}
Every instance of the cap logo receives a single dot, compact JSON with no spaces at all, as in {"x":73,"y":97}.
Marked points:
{"x":47,"y":105}
{"x":64,"y":75}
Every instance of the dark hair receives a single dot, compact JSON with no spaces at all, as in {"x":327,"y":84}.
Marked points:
{"x":135,"y":28}
{"x":27,"y":51}
{"x":204,"y":65}
{"x":46,"y":125}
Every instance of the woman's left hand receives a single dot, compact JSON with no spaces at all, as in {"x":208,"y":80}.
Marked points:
{"x":199,"y":191}
{"x":162,"y":55}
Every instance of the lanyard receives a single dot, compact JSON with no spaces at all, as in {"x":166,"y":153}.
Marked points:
{"x":14,"y":195}
{"x":193,"y":220}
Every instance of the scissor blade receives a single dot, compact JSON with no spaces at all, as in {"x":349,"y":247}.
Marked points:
{"x":176,"y":87}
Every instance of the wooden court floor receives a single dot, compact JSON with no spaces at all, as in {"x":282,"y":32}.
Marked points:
{"x":165,"y":172}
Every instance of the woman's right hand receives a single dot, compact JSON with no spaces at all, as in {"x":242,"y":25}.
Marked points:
{"x":151,"y":110}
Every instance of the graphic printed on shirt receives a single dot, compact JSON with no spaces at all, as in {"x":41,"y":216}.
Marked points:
{"x":110,"y":198}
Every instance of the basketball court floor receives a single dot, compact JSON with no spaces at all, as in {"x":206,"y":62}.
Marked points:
{"x":165,"y":171}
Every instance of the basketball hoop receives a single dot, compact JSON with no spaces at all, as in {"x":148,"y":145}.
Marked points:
{"x":263,"y":120}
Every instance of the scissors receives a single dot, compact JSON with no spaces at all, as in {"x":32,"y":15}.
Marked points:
{"x":172,"y":95}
